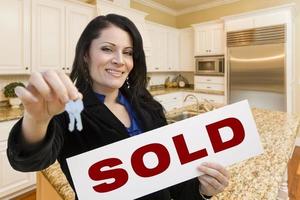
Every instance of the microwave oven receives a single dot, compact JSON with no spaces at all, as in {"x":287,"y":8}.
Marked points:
{"x":209,"y":65}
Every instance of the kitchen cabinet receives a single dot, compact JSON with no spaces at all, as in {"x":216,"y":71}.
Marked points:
{"x":256,"y":19}
{"x":211,"y":83}
{"x":45,"y":190}
{"x":12,"y":182}
{"x":157,"y":60}
{"x":186,"y":50}
{"x":56,"y":27}
{"x":209,"y":39}
{"x":170,"y":101}
{"x":164,"y":52}
{"x":15,"y":36}
{"x":239,"y":24}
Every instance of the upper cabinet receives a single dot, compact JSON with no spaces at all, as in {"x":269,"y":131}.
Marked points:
{"x":157,"y":58}
{"x":256,"y":19}
{"x":15,"y":36}
{"x":164,"y":52}
{"x":209,"y":39}
{"x":40,"y":34}
{"x":57,"y":26}
{"x":186,"y":50}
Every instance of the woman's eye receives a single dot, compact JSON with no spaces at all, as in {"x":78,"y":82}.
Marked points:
{"x":129,"y":53}
{"x":106,"y":49}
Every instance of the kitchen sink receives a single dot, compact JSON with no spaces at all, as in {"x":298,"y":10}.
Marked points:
{"x":181,"y":116}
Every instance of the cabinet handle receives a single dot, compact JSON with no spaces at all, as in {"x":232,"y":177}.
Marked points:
{"x":208,"y":87}
{"x":26,"y":68}
{"x":156,"y":68}
{"x":63,"y":68}
{"x":68,"y":68}
{"x":208,"y":79}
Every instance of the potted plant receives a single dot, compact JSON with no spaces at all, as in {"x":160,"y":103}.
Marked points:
{"x":9,"y":92}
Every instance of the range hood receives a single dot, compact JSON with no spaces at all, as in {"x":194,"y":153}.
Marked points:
{"x":122,"y":7}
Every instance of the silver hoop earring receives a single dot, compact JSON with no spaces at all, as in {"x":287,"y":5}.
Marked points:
{"x":127,"y":82}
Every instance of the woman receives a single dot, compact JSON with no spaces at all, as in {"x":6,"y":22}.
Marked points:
{"x":109,"y":71}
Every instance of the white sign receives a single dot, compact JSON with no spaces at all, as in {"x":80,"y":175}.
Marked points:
{"x":157,"y":159}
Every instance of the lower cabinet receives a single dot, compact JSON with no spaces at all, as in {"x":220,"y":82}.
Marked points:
{"x":44,"y":190}
{"x":12,"y":182}
{"x":170,"y":101}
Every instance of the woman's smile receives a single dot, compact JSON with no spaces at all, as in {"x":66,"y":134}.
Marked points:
{"x":114,"y":72}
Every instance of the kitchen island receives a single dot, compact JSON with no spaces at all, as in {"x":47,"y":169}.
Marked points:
{"x":255,"y":178}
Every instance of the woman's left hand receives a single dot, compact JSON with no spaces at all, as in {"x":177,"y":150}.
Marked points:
{"x":214,"y":180}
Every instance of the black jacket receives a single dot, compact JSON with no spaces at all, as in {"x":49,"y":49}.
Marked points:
{"x":100,"y":127}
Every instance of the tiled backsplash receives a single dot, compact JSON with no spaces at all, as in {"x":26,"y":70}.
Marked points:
{"x":159,"y":78}
{"x":5,"y":79}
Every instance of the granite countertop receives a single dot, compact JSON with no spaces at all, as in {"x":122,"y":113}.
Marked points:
{"x":191,"y":89}
{"x":8,"y":113}
{"x":261,"y":176}
{"x":58,"y":180}
{"x":255,"y":178}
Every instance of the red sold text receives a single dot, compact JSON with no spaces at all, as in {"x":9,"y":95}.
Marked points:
{"x":120,"y":175}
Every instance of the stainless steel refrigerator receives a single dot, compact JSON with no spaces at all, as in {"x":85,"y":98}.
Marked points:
{"x":256,"y":67}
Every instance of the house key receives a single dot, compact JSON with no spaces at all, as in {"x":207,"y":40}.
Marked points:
{"x":74,"y":109}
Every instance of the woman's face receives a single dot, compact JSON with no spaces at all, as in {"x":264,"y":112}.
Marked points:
{"x":110,"y":59}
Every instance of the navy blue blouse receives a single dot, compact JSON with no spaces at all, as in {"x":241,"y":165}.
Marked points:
{"x":134,"y":128}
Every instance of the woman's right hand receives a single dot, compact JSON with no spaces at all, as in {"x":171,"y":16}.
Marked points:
{"x":45,"y":96}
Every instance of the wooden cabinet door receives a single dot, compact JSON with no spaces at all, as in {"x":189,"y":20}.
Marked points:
{"x":44,"y":190}
{"x":209,"y":39}
{"x":48,"y":41}
{"x":15,"y":36}
{"x":201,"y":42}
{"x":157,"y":60}
{"x":217,"y":41}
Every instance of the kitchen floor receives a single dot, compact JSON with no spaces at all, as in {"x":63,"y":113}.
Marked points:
{"x":294,"y":179}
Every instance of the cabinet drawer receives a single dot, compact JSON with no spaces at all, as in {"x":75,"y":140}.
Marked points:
{"x":205,"y":86}
{"x":209,"y":79}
